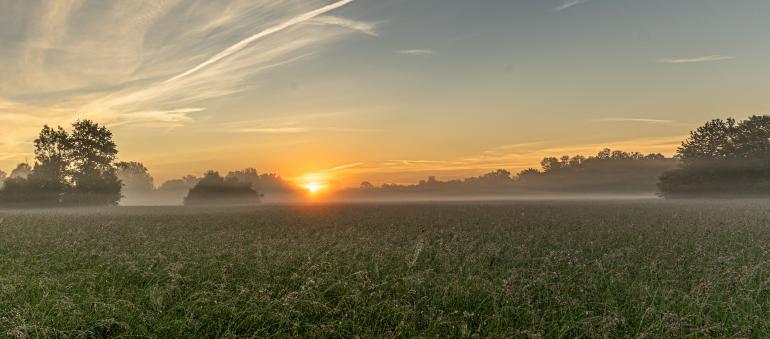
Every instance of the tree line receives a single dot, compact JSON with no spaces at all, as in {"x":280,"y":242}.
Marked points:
{"x":79,"y":167}
{"x":609,"y":171}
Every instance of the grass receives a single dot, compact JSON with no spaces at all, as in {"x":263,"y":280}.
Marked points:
{"x":545,"y":269}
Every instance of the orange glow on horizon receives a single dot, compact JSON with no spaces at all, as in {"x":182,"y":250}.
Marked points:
{"x":314,"y":187}
{"x":314,"y":183}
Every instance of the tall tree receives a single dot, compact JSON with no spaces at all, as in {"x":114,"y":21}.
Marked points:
{"x":53,"y":151}
{"x":94,"y":176}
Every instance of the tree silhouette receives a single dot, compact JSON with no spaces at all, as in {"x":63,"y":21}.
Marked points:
{"x":94,"y":176}
{"x":722,"y":157}
{"x":528,"y":172}
{"x":74,"y":168}
{"x":53,"y":151}
{"x":263,"y":183}
{"x":22,"y":171}
{"x":551,"y":164}
{"x":183,"y":184}
{"x":134,"y":176}
{"x":213,"y":189}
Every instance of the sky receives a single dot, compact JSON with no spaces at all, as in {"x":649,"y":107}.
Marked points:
{"x":379,"y":90}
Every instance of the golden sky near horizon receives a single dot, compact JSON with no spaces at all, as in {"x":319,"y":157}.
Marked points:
{"x":384,"y":91}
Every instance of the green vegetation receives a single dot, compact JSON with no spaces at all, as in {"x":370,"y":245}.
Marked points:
{"x":72,"y":168}
{"x":722,"y":158}
{"x":553,"y":269}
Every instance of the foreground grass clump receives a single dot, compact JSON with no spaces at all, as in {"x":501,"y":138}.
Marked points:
{"x":552,"y":269}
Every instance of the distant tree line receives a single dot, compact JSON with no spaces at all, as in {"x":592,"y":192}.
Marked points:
{"x":606,"y":172}
{"x":189,"y":189}
{"x":722,"y":158}
{"x":553,"y":164}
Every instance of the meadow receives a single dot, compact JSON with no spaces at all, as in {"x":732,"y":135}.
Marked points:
{"x":523,"y":269}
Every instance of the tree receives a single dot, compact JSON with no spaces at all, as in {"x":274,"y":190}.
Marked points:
{"x":576,"y":160}
{"x":248,"y":175}
{"x":654,"y":156}
{"x":134,"y":176}
{"x":550,"y":164}
{"x":22,"y":170}
{"x":605,"y":154}
{"x":137,"y":183}
{"x":722,"y":157}
{"x":53,"y":151}
{"x":500,"y":178}
{"x":94,"y":176}
{"x":74,"y":167}
{"x":183,"y":184}
{"x":3,"y":175}
{"x":528,"y":172}
{"x":213,"y":189}
{"x":619,"y":155}
{"x":715,"y":140}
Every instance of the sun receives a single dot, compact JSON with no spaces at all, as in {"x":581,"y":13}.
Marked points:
{"x":314,"y":187}
{"x":314,"y":183}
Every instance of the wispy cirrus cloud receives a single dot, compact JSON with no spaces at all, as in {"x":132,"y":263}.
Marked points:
{"x":240,"y":45}
{"x":361,"y":26}
{"x":170,"y":118}
{"x":707,"y":58}
{"x":639,"y":120}
{"x":289,"y":124}
{"x":343,"y":167}
{"x":569,"y":3}
{"x":149,"y":62}
{"x":417,"y":52}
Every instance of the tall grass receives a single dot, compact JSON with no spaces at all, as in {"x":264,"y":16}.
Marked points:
{"x":547,"y":269}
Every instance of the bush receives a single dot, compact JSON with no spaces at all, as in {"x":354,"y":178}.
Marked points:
{"x":212,"y":189}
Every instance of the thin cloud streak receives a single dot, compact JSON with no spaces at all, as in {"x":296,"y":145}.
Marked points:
{"x":317,"y":122}
{"x":707,"y":58}
{"x":170,"y":118}
{"x":569,"y":4}
{"x":343,"y":167}
{"x":272,"y":30}
{"x":274,"y":130}
{"x":417,"y":52}
{"x":363,"y":27}
{"x":664,"y":122}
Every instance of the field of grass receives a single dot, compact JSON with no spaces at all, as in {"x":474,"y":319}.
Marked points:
{"x":527,"y":269}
